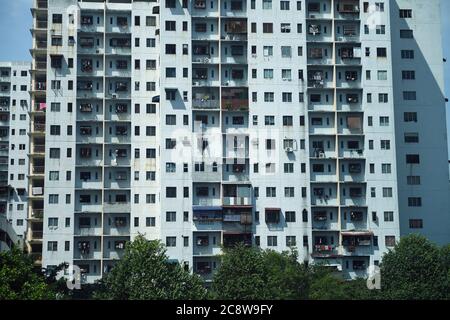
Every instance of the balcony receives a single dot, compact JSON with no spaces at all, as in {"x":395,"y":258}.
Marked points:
{"x":231,"y":239}
{"x":207,"y":218}
{"x":347,"y":10}
{"x":235,"y":104}
{"x":38,"y":149}
{"x":37,"y":170}
{"x":205,"y":104}
{"x":39,"y":127}
{"x":117,"y":207}
{"x":236,"y":8}
{"x":324,"y":251}
{"x":35,"y":235}
{"x":87,"y":231}
{"x":39,"y":66}
{"x":237,"y":201}
{"x":37,"y":214}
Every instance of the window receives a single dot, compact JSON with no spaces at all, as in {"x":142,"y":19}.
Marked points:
{"x":409,"y":95}
{"x":268,"y":97}
{"x":284,"y":5}
{"x":405,"y":13}
{"x":387,"y":192}
{"x":287,"y":97}
{"x":150,"y":64}
{"x":413,"y":180}
{"x":290,"y":216}
{"x":267,"y":4}
{"x":170,"y":49}
{"x":380,"y":29}
{"x":171,"y":241}
{"x":389,"y":241}
{"x":171,"y":192}
{"x":414,"y":202}
{"x":170,"y":4}
{"x":54,"y":153}
{"x":57,"y":18}
{"x":150,"y":21}
{"x":286,"y":52}
{"x":170,"y":73}
{"x":54,"y":175}
{"x":388,"y":216}
{"x":412,"y":159}
{"x":170,"y":26}
{"x":285,"y":28}
{"x":383,"y":98}
{"x":287,"y":121}
{"x":407,"y":54}
{"x":406,"y":34}
{"x":410,"y":117}
{"x":52,"y":246}
{"x":267,"y":27}
{"x":408,"y":75}
{"x":55,"y":130}
{"x":171,"y":216}
{"x":384,"y":121}
{"x":415,"y":223}
{"x":290,"y":241}
{"x":271,"y":192}
{"x":381,"y":52}
{"x":151,"y":42}
{"x":268,"y":51}
{"x":53,"y":198}
{"x":150,"y":221}
{"x":382,"y":75}
{"x":411,"y":137}
{"x":385,"y":144}
{"x":268,"y":73}
{"x":385,"y":168}
{"x":271,"y":241}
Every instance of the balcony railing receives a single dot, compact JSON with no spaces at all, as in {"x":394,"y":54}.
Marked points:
{"x":37,"y":213}
{"x":39,"y":149}
{"x":38,"y":169}
{"x":39,"y":127}
{"x":205,"y":104}
{"x":36,"y":235}
{"x":235,"y":104}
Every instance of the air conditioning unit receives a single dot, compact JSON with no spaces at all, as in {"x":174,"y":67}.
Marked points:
{"x":114,"y":96}
{"x":289,"y":149}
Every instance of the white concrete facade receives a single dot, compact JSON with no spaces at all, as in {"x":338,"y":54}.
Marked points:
{"x":206,"y":123}
{"x":14,"y":123}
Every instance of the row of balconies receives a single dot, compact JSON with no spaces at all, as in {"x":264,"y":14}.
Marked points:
{"x":203,"y":8}
{"x":87,"y":248}
{"x":93,"y":45}
{"x":343,"y":10}
{"x":353,"y":194}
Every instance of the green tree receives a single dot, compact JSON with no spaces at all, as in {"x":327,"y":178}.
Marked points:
{"x":247,"y":273}
{"x":242,"y":275}
{"x":145,"y":273}
{"x":19,"y":280}
{"x":413,"y":270}
{"x":445,"y":256}
{"x":288,"y":278}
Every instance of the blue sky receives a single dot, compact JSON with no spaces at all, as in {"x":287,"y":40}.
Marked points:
{"x":15,"y":38}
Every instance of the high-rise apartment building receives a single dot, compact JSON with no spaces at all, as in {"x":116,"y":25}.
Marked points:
{"x":210,"y":122}
{"x":14,"y":126}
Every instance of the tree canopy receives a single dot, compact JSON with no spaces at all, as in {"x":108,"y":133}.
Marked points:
{"x":145,"y":273}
